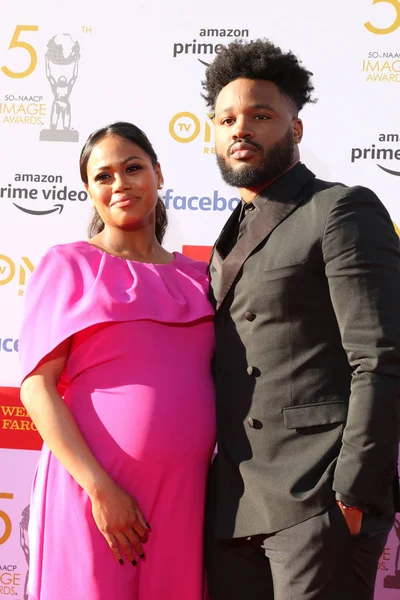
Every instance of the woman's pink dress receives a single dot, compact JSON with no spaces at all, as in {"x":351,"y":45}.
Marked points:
{"x":138,"y":383}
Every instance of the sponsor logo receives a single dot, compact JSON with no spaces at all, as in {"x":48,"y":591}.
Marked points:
{"x":207,"y":43}
{"x":386,"y":157}
{"x":30,"y":198}
{"x":23,"y":108}
{"x":382,"y":67}
{"x":10,"y":580}
{"x":16,"y":427}
{"x":6,"y":528}
{"x":61,"y":68}
{"x":24,"y":543}
{"x":186,"y":127}
{"x":214,"y":202}
{"x":8,"y":344}
{"x":62,"y":61}
{"x":10,"y":576}
{"x":389,"y":22}
{"x":15,"y":271}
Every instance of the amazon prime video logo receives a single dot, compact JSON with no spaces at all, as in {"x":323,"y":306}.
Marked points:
{"x":42,"y":199}
{"x":385,"y":153}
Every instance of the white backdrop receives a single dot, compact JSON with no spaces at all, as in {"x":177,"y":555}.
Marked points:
{"x":141,"y":62}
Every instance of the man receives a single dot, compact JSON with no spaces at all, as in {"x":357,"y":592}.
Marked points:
{"x":305,"y":279}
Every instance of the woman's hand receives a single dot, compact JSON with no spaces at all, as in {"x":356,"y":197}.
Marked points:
{"x":117,"y":515}
{"x":119,"y":518}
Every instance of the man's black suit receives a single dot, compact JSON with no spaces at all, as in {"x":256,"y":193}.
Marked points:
{"x":307,"y":362}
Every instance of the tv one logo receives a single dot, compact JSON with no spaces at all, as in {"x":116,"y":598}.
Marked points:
{"x":11,"y":270}
{"x":186,"y":127}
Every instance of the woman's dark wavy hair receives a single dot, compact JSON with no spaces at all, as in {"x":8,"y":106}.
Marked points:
{"x":258,"y":59}
{"x":129,"y":132}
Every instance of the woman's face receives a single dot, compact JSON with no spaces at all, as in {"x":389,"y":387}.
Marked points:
{"x":123,"y":183}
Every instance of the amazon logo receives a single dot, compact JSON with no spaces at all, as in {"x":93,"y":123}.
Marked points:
{"x":35,"y":200}
{"x":380,"y":153}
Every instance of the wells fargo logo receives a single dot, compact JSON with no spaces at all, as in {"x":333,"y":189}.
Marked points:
{"x":15,"y":270}
{"x":16,"y":427}
{"x":197,"y":252}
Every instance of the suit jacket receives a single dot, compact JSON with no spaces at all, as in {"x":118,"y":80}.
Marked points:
{"x":307,"y":363}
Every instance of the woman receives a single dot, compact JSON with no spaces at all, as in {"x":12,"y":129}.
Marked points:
{"x":115,"y":349}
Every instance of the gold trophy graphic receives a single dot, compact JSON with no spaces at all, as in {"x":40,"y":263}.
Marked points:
{"x":62,"y":59}
{"x":24,"y":542}
{"x":393,"y":581}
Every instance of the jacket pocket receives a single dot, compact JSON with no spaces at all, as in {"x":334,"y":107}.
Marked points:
{"x":281,"y":273}
{"x":309,"y":415}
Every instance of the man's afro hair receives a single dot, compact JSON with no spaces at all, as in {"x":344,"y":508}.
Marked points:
{"x":258,"y":59}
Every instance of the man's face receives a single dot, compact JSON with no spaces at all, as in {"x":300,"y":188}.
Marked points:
{"x":256,"y":133}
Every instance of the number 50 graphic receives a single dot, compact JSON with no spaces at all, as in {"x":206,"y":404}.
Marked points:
{"x":17,"y":43}
{"x":391,"y":28}
{"x":6,"y":520}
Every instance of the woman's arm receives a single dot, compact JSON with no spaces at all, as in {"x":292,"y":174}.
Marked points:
{"x":116,"y":514}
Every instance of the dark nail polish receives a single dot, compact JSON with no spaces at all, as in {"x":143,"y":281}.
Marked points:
{"x":121,"y":562}
{"x":134,"y":563}
{"x":141,"y":555}
{"x":148,"y":526}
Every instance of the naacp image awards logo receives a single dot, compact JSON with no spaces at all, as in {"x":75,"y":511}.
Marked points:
{"x":62,"y":61}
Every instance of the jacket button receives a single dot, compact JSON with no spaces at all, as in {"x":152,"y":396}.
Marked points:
{"x":249,"y":316}
{"x":250,"y":370}
{"x":250,"y":422}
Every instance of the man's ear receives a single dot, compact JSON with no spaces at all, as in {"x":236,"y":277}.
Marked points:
{"x":297,"y":127}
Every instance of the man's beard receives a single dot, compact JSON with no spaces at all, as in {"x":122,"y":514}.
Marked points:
{"x":277,"y":160}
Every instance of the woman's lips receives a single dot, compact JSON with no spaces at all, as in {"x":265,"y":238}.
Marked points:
{"x":123,"y":202}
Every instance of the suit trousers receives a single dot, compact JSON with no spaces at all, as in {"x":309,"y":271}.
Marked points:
{"x":317,"y":559}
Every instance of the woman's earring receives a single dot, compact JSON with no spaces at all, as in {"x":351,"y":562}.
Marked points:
{"x":160,"y":186}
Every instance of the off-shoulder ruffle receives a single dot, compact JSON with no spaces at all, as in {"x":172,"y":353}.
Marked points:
{"x":77,"y":285}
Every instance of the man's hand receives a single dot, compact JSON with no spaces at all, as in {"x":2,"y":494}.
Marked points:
{"x":353,"y":517}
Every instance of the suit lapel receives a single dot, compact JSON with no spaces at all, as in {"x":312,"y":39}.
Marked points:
{"x":275,"y":204}
{"x":225,"y":241}
{"x":220,"y":251}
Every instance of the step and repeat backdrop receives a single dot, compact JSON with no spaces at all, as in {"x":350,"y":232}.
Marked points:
{"x":69,"y":68}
